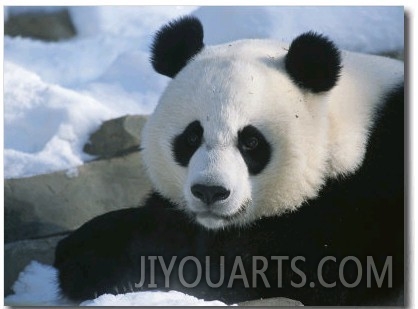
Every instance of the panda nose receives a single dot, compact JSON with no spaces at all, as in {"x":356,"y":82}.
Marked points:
{"x":210,"y":194}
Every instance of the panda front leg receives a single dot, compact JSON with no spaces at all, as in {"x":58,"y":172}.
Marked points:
{"x":106,"y":254}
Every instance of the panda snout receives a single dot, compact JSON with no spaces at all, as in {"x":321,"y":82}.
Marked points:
{"x":210,"y":194}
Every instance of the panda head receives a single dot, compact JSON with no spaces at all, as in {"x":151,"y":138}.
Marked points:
{"x":239,"y":133}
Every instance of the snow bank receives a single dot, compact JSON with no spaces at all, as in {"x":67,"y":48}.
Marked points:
{"x":37,"y":286}
{"x":57,"y":93}
{"x":171,"y":298}
{"x":46,"y":125}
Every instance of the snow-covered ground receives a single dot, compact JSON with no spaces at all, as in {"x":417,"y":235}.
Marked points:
{"x":36,"y":286}
{"x":56,"y":94}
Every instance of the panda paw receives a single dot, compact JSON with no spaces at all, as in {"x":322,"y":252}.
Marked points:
{"x":95,"y":259}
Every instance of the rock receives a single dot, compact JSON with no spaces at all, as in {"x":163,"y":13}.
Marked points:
{"x":400,"y":55}
{"x":48,"y":204}
{"x":17,"y":255}
{"x":116,"y":137}
{"x":275,"y":301}
{"x":396,"y":54}
{"x":46,"y":26}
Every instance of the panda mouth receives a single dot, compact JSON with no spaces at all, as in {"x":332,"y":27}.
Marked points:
{"x":212,"y":215}
{"x":229,"y":217}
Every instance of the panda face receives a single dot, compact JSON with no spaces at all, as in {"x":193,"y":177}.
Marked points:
{"x":219,"y":143}
{"x":241,"y":130}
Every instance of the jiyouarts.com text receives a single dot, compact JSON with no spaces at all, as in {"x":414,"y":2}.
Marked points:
{"x":190,"y":271}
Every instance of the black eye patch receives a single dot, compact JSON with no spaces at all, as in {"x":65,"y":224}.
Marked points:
{"x":185,"y":144}
{"x":254,"y":148}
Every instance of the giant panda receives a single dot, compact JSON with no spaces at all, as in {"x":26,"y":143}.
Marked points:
{"x":278,"y":168}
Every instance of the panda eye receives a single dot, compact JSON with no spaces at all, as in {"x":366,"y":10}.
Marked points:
{"x":250,"y":143}
{"x":193,"y":139}
{"x":254,"y":148}
{"x":187,"y":142}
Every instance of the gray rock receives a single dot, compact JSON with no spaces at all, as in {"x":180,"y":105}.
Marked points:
{"x":46,"y":26}
{"x":275,"y":301}
{"x":48,"y":204}
{"x":17,"y":255}
{"x":396,"y":54}
{"x":116,"y":137}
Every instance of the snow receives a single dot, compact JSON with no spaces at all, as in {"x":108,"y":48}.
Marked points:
{"x":37,"y":286}
{"x":56,"y":94}
{"x":171,"y":298}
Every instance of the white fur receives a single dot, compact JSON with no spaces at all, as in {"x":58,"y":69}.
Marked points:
{"x":313,"y":136}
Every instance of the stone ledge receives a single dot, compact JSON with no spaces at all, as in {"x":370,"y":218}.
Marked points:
{"x":275,"y":301}
{"x":45,"y":205}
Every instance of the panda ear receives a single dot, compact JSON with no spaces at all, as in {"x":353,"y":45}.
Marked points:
{"x":175,"y":43}
{"x":313,"y":62}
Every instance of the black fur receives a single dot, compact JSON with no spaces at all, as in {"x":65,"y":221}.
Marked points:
{"x":185,"y":144}
{"x":361,"y":215}
{"x":254,"y":148}
{"x":313,"y":62}
{"x":175,"y":44}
